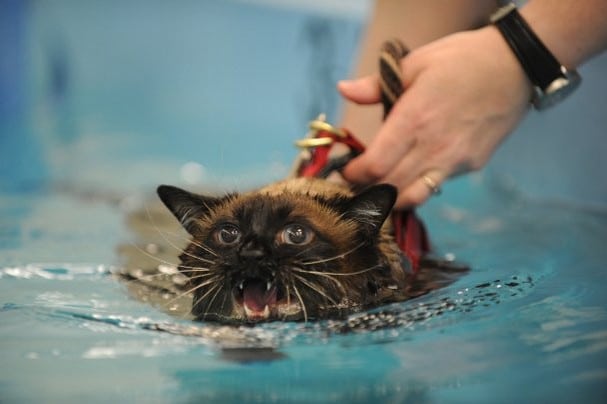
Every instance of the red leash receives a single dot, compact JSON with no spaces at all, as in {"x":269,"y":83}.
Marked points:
{"x":314,"y":161}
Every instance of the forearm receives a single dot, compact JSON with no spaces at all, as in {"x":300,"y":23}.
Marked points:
{"x":416,"y":23}
{"x":573,"y":30}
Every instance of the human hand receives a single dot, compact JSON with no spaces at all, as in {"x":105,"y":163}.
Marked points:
{"x":463,"y":94}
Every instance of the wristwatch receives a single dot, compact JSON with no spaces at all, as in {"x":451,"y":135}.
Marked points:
{"x":551,"y":80}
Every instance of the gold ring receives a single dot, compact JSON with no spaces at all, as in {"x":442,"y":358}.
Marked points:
{"x":434,"y":187}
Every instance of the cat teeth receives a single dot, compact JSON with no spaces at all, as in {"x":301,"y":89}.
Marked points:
{"x":256,"y":314}
{"x":268,"y":285}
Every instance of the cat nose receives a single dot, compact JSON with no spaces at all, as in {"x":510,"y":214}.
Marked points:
{"x":252,"y":249}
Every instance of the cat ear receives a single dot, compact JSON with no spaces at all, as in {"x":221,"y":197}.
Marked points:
{"x":184,"y":205}
{"x":371,"y":207}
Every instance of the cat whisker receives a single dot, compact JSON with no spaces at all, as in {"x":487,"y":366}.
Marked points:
{"x":301,"y":301}
{"x":134,"y":277}
{"x":196,"y":257}
{"x":152,"y":256}
{"x":161,"y":233}
{"x":191,"y":290}
{"x":205,"y":248}
{"x":216,"y":288}
{"x":362,"y":271}
{"x":191,"y":241}
{"x":205,"y":283}
{"x":189,"y":267}
{"x":343,"y":255}
{"x":288,"y":293}
{"x":210,"y":303}
{"x":162,"y":261}
{"x":315,"y":288}
{"x":200,"y":269}
{"x":202,"y":276}
{"x":323,"y":274}
{"x":140,"y":276}
{"x":304,"y":251}
{"x":223,"y":303}
{"x":196,"y":269}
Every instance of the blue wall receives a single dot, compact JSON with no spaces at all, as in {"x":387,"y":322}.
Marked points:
{"x":91,"y":91}
{"x":112,"y":86}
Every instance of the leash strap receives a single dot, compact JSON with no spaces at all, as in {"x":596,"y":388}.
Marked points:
{"x":315,"y":161}
{"x":409,"y":230}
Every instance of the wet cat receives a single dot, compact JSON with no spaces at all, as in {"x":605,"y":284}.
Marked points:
{"x":299,"y":249}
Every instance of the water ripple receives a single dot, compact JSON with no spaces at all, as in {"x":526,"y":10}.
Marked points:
{"x":65,"y":272}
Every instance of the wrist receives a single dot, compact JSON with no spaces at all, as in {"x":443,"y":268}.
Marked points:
{"x":508,"y":66}
{"x":546,"y":29}
{"x":551,"y":80}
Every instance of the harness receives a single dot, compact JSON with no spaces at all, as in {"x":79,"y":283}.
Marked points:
{"x":315,"y":158}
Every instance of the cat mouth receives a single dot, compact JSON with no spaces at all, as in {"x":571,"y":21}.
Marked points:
{"x":262,"y":299}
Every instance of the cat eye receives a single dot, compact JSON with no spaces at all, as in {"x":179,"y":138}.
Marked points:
{"x":227,"y":234}
{"x":295,"y":234}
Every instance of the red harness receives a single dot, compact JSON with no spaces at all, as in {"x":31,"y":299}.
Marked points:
{"x":409,"y":231}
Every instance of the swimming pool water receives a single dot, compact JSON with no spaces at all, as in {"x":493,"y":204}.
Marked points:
{"x":108,"y":108}
{"x":71,"y":332}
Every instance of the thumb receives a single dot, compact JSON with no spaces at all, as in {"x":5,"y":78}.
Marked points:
{"x":364,"y":90}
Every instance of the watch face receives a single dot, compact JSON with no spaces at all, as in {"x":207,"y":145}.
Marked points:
{"x":558,"y":90}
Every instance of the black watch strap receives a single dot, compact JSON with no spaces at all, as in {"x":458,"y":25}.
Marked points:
{"x":538,"y":62}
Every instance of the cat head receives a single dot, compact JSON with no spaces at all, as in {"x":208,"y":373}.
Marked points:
{"x":293,"y":251}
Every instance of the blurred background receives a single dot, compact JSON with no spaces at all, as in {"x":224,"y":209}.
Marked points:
{"x":102,"y":100}
{"x":122,"y":95}
{"x":119,"y":94}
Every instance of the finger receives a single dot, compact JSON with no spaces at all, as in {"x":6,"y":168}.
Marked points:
{"x":417,"y":162}
{"x":427,"y":185}
{"x":386,"y":149}
{"x":364,"y":90}
{"x":408,"y":169}
{"x":377,"y":162}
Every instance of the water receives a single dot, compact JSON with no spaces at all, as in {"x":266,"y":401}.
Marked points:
{"x":528,"y":323}
{"x":95,"y":129}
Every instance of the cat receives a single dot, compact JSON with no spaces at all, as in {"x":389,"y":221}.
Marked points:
{"x":297,"y":250}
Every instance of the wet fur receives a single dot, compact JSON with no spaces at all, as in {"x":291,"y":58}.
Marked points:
{"x":351,"y":264}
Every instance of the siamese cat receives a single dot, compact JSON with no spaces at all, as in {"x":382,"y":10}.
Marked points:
{"x":301,"y":249}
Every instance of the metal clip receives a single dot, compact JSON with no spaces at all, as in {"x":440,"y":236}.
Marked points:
{"x":319,"y":125}
{"x":311,"y":141}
